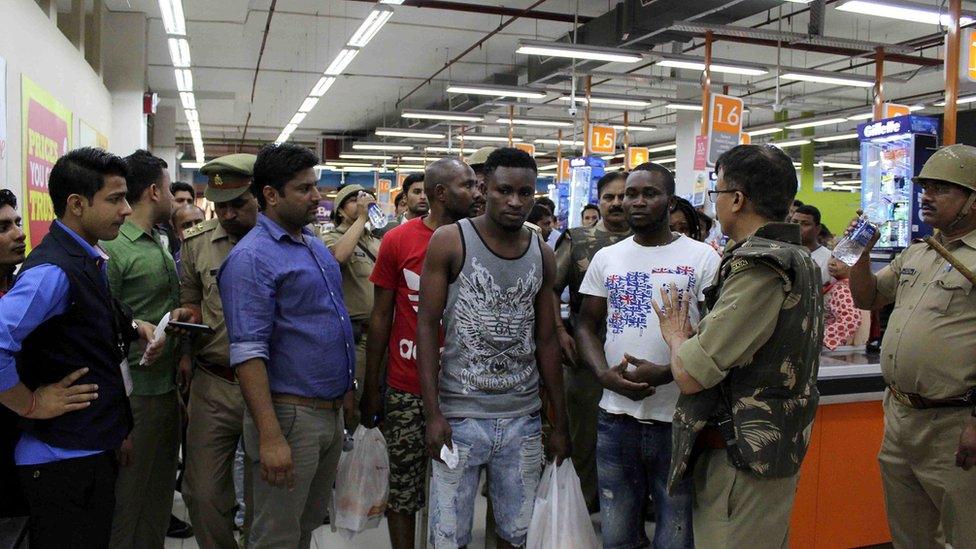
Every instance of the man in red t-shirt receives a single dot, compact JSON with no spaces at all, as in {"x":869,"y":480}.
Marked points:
{"x":451,"y":189}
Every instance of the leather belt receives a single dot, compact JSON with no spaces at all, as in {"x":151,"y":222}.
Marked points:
{"x":223,"y":372}
{"x":913,"y":400}
{"x":710,"y":438}
{"x":307,"y":402}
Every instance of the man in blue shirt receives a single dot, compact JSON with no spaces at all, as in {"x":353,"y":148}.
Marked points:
{"x":291,"y":344}
{"x":60,"y":320}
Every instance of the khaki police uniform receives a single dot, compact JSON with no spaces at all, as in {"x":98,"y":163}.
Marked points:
{"x":216,"y":406}
{"x":928,"y":357}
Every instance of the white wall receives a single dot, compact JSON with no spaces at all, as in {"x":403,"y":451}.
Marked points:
{"x":33,"y":46}
{"x":124,"y":59}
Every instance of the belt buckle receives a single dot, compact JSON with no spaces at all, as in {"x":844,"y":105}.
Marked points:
{"x":901,"y":397}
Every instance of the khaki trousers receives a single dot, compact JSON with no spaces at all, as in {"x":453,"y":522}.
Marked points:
{"x":144,"y":489}
{"x":216,"y":423}
{"x":583,"y":393}
{"x":734,"y":509}
{"x":283,"y":517}
{"x":929,"y":500}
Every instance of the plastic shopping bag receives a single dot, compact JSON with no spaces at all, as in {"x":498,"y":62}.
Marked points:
{"x":362,"y":485}
{"x":560,"y":519}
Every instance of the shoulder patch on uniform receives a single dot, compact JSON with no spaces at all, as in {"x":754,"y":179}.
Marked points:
{"x":738,"y":265}
{"x":199,"y":228}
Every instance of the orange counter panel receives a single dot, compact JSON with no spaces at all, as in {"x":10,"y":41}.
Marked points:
{"x":839,"y":502}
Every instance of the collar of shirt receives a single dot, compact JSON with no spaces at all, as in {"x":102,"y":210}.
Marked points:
{"x":134,"y":232}
{"x":94,"y":251}
{"x":969,"y":239}
{"x":277,"y":233}
{"x":219,"y":234}
{"x":783,"y":232}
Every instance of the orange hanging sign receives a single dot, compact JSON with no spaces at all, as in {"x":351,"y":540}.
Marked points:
{"x":564,"y":169}
{"x":891,"y":110}
{"x":636,"y":156}
{"x":527,"y":147}
{"x":603,"y":139}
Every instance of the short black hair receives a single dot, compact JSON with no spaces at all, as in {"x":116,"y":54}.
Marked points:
{"x":538,"y":212}
{"x":277,"y":164}
{"x":685,"y":207}
{"x":707,"y":220}
{"x":797,"y":203}
{"x":593,"y":207}
{"x":178,"y":186}
{"x":400,"y":197}
{"x":7,"y":198}
{"x":765,"y":174}
{"x":547,"y":202}
{"x":145,"y":170}
{"x":812,"y":211}
{"x":608,"y":178}
{"x":82,"y":172}
{"x":657,"y":168}
{"x":416,"y":177}
{"x":509,"y":157}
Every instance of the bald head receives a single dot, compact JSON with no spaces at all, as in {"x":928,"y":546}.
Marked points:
{"x":451,"y":187}
{"x":185,"y":217}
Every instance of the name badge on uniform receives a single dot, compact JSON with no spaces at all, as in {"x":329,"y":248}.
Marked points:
{"x":908,"y":271}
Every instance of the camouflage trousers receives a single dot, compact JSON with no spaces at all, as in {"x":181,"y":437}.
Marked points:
{"x":404,"y":428}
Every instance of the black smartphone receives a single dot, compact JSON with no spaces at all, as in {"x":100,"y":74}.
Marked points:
{"x":190,"y":327}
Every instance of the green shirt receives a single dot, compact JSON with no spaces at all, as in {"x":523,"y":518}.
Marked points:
{"x":142,"y":274}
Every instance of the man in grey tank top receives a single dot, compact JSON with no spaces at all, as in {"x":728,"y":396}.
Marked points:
{"x":489,"y":280}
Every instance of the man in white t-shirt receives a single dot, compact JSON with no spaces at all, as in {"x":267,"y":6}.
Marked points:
{"x":808,"y":218}
{"x":634,"y":435}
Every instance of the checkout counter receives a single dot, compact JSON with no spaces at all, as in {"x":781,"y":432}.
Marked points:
{"x":839,"y":501}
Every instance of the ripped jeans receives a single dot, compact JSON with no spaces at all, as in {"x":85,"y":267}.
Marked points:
{"x":511,"y":448}
{"x":632,"y":463}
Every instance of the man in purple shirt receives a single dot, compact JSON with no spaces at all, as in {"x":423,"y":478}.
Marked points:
{"x":292,"y":346}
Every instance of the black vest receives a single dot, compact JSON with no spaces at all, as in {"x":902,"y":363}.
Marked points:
{"x":94,"y":332}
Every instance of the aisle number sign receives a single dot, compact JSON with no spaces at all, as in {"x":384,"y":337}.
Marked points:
{"x":724,"y":125}
{"x":967,"y":52}
{"x":636,"y":156}
{"x":603,"y":139}
{"x":892,"y":110}
{"x":564,"y":173}
{"x":527,"y":147}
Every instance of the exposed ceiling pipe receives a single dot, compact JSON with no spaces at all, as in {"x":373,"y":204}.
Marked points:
{"x":257,"y":68}
{"x":488,"y":10}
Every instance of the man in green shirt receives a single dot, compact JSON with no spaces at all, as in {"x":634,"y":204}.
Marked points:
{"x":142,"y":274}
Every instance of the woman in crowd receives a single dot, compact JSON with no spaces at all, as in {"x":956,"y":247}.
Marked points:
{"x":842,"y":320}
{"x":685,"y":220}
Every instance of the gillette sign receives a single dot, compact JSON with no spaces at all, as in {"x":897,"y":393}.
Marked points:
{"x":897,"y":126}
{"x":885,"y":127}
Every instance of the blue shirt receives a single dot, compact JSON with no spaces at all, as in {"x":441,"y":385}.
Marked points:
{"x":282,"y":299}
{"x":38,"y":295}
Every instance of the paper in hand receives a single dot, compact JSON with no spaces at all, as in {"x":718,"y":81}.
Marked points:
{"x":159,"y":338}
{"x":450,"y":456}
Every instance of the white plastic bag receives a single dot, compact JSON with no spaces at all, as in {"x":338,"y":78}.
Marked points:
{"x":560,"y":519}
{"x":362,"y":485}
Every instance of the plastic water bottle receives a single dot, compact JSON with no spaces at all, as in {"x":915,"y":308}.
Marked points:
{"x":850,"y":248}
{"x":377,"y":218}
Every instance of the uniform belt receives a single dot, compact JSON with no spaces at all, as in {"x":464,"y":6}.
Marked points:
{"x":913,"y":400}
{"x":710,"y":438}
{"x":307,"y":402}
{"x":223,"y":372}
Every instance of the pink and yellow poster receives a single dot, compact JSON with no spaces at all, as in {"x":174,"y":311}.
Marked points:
{"x":46,"y":137}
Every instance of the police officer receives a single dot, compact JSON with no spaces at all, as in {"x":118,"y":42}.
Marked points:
{"x":928,"y":359}
{"x":574,"y":251}
{"x":216,"y":407}
{"x":355,"y":249}
{"x":748,"y":378}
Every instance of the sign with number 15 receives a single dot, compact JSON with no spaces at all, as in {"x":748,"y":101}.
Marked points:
{"x":603,"y":140}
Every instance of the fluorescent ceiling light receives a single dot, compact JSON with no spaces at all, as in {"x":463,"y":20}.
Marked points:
{"x":664,"y":160}
{"x":847,"y":165}
{"x":612,"y":157}
{"x":173,"y":20}
{"x":729,"y":67}
{"x":184,"y":80}
{"x":548,"y":167}
{"x":189,"y":102}
{"x":799,"y":125}
{"x":838,"y":137}
{"x":684,"y":106}
{"x":192,"y":114}
{"x":297,"y":119}
{"x":443,"y":115}
{"x":528,"y":121}
{"x":564,"y":142}
{"x":763,"y":131}
{"x":662,"y":148}
{"x":792,"y":143}
{"x":399,"y":132}
{"x":408,"y":167}
{"x":576,"y":51}
{"x":489,"y":138}
{"x":191,"y":165}
{"x":392,"y":2}
{"x":371,"y":25}
{"x":914,"y":108}
{"x":835,"y":78}
{"x":905,"y":11}
{"x":634,"y":127}
{"x":960,"y":101}
{"x":337,"y":163}
{"x":861,"y":116}
{"x":341,"y":61}
{"x":417,"y":159}
{"x":496,"y":91}
{"x":622,"y":100}
{"x":290,"y":128}
{"x":179,"y":52}
{"x":308,"y":104}
{"x":366,"y":146}
{"x":322,"y":86}
{"x":350,"y":169}
{"x":356,"y":156}
{"x":450,"y":150}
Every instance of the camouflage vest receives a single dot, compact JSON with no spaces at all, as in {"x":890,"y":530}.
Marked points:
{"x":584,"y":243}
{"x":773,"y":399}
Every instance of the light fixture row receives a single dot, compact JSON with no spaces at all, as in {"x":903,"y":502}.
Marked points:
{"x":174,"y":24}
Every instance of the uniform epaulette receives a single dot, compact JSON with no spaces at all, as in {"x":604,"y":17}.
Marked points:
{"x":200,"y":228}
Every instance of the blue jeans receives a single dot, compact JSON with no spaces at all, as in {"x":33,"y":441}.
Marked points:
{"x":632,"y":463}
{"x":512,"y":450}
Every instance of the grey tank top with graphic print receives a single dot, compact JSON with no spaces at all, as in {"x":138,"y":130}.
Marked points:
{"x":488,"y":367}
